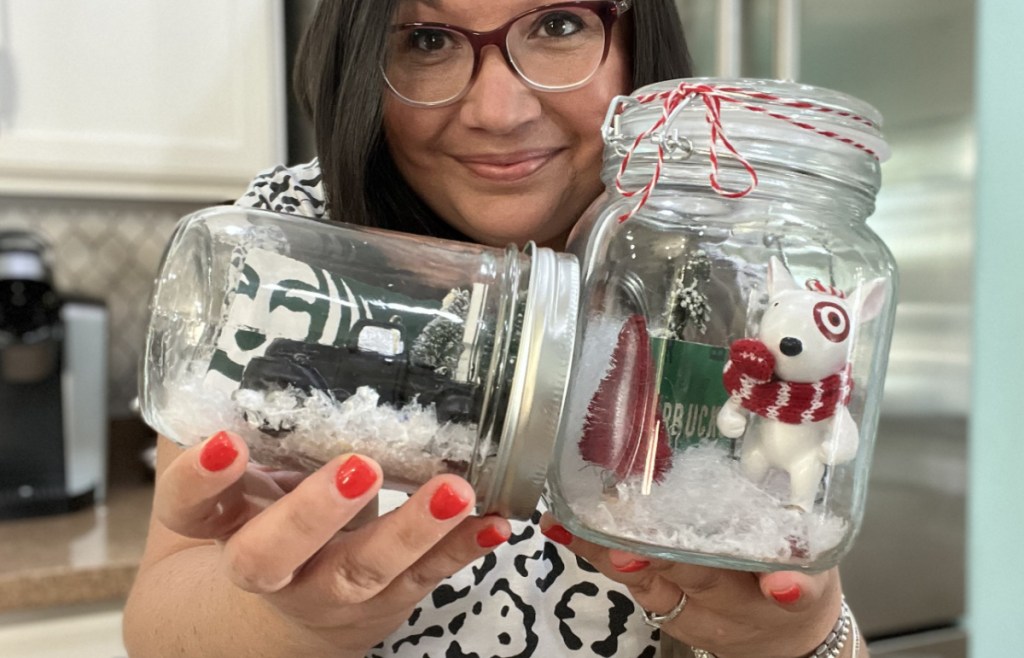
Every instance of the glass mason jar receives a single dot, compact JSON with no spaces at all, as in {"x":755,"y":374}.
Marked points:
{"x":311,"y":339}
{"x":735,"y":324}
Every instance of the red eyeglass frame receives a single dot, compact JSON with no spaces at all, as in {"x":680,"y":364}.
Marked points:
{"x":608,"y":11}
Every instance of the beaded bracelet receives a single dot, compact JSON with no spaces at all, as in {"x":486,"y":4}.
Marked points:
{"x":834,"y":641}
{"x":856,"y":634}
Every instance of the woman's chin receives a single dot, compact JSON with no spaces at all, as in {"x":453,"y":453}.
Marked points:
{"x":518,"y":225}
{"x":499,"y":232}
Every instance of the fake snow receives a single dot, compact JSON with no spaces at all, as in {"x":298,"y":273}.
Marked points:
{"x":707,"y":505}
{"x":409,"y":443}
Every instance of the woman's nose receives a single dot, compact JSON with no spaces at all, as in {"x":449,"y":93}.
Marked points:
{"x":499,"y":101}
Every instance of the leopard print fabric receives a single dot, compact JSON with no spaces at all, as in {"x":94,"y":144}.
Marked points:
{"x":530,"y":597}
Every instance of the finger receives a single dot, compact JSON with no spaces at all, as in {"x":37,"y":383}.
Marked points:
{"x":815,"y":609}
{"x":261,"y":484}
{"x":642,"y":575}
{"x":622,"y":566}
{"x":596,"y":555}
{"x":287,"y":480}
{"x":200,"y":493}
{"x":797,"y":592}
{"x":360,"y":564}
{"x":468,"y":542}
{"x":263,"y":555}
{"x":625,"y":562}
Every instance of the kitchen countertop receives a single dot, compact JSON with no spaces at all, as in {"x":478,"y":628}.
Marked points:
{"x":86,"y":556}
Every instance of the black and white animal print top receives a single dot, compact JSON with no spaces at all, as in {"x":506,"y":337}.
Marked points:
{"x":530,"y":597}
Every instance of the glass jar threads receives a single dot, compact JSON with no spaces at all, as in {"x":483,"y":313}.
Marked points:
{"x":734,"y":331}
{"x":311,"y":339}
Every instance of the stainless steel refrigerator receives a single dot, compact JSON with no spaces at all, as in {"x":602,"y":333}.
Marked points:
{"x":914,"y":61}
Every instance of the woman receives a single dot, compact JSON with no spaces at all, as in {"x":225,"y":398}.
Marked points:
{"x":492,"y":137}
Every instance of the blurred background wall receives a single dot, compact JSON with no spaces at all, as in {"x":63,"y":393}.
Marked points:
{"x":996,"y":527}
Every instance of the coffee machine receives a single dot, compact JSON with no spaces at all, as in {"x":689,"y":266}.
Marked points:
{"x":53,"y":383}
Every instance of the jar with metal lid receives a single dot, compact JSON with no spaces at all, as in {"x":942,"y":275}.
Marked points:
{"x":311,"y":339}
{"x":735,"y":323}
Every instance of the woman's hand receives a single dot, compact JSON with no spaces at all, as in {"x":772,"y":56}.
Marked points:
{"x":732,"y":614}
{"x":291,"y":539}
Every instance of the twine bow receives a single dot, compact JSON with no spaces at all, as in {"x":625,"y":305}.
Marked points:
{"x":713,"y":96}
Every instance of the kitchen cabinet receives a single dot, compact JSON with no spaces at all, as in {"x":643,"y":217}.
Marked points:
{"x":146,"y":100}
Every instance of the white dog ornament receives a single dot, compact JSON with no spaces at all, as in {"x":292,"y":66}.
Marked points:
{"x":795,"y":374}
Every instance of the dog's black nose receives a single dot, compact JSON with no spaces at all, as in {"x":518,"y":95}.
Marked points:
{"x":790,"y":346}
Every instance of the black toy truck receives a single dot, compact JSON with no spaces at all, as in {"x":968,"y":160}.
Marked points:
{"x":375,"y":356}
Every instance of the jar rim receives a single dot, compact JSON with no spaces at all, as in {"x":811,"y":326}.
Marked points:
{"x":782,"y":90}
{"x":742,"y":124}
{"x":539,"y":385}
{"x":795,"y":108}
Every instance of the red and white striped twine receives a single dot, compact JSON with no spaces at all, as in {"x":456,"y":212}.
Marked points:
{"x":817,"y":286}
{"x":713,"y":96}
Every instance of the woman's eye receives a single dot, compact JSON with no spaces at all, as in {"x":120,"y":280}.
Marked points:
{"x":561,"y":24}
{"x":428,"y":40}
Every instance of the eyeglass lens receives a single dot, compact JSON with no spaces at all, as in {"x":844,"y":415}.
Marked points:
{"x":555,"y":48}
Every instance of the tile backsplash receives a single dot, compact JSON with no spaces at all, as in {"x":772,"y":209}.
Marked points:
{"x":106,"y":250}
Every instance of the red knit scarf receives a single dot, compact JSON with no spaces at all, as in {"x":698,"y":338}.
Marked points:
{"x":749,"y":376}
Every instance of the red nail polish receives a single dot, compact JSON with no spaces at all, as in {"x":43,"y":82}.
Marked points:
{"x":445,"y":503}
{"x":632,"y":565}
{"x":558,"y":534}
{"x":218,"y":453}
{"x":786,"y":596}
{"x":354,"y":477}
{"x":490,"y":537}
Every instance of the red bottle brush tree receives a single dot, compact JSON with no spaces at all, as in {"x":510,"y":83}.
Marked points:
{"x":623,"y":431}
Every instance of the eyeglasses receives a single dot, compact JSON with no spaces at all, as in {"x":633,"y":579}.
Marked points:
{"x":556,"y":47}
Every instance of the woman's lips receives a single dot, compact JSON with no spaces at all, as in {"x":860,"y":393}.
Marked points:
{"x":508,"y":167}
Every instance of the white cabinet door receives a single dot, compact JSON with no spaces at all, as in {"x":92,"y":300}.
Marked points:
{"x":151,"y":99}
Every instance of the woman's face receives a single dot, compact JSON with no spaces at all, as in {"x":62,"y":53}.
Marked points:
{"x":505,"y":163}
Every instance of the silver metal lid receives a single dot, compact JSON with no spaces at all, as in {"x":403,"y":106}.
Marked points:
{"x":539,"y":385}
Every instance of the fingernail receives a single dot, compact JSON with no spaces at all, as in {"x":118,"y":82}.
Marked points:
{"x":490,"y":537}
{"x":786,"y":596}
{"x":445,"y":503}
{"x":558,"y":534}
{"x":632,"y":565}
{"x":354,"y":477}
{"x":218,"y":453}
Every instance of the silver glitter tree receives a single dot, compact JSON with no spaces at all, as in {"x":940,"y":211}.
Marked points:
{"x":439,"y":345}
{"x":688,"y":304}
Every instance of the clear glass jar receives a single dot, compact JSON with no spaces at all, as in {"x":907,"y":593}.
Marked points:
{"x":311,"y":339}
{"x":735,"y":325}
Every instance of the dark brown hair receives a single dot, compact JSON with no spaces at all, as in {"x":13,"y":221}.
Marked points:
{"x":339,"y":84}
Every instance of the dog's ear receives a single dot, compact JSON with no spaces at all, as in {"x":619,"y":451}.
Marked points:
{"x":869,"y":298}
{"x":779,"y":279}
